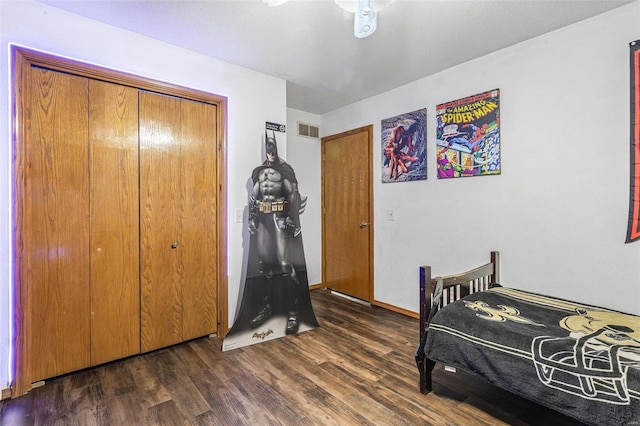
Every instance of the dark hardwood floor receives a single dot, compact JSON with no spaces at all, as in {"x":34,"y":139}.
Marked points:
{"x":357,"y":368}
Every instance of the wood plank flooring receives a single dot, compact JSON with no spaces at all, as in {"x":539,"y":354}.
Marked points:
{"x":357,"y":368}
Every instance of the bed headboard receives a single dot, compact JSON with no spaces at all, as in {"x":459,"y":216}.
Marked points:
{"x":446,"y":289}
{"x":440,"y":291}
{"x":449,"y":288}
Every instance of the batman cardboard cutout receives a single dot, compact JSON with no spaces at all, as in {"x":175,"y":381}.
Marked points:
{"x":275,"y":300}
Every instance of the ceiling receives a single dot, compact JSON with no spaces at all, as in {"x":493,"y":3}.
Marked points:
{"x":311,"y":45}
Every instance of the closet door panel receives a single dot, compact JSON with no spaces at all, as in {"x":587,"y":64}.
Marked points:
{"x":160,"y":199}
{"x":55,"y":263}
{"x":114,"y":238}
{"x":198,"y":256}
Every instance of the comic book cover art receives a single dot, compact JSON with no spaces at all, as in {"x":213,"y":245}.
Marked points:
{"x":468,"y":136}
{"x":404,"y":147}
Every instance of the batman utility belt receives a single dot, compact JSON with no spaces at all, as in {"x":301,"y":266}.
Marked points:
{"x":272,"y":206}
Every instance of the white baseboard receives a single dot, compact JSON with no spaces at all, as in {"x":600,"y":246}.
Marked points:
{"x":353,"y":299}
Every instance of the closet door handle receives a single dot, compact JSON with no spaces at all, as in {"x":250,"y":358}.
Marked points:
{"x":174,"y":245}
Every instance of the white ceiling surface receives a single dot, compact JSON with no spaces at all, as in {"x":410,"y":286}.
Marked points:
{"x":311,"y":45}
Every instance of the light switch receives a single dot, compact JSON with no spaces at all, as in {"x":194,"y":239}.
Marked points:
{"x":239,"y":214}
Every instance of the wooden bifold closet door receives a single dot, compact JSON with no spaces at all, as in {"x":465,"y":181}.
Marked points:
{"x":81,"y":223}
{"x":116,"y":218}
{"x":178,"y":241}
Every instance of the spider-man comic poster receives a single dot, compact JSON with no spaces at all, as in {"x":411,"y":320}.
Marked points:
{"x":404,"y":147}
{"x":468,"y":136}
{"x":633,"y":228}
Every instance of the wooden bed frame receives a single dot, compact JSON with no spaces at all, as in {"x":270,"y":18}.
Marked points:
{"x":440,"y":291}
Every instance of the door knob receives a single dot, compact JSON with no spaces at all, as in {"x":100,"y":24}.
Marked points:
{"x":174,"y":245}
{"x":364,"y":224}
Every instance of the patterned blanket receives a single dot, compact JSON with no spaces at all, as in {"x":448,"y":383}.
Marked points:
{"x":581,"y":360}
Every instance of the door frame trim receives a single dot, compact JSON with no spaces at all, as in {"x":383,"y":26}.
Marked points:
{"x":369,"y":155}
{"x":22,"y":59}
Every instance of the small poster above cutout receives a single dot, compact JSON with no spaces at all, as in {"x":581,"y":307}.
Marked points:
{"x":404,"y":147}
{"x":468,"y":136}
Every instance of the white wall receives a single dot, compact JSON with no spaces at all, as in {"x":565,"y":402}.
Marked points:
{"x":303,"y":154}
{"x":558,"y":212}
{"x":253,"y":98}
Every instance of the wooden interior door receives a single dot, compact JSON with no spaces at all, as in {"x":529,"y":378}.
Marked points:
{"x":347,"y":213}
{"x":114,"y":238}
{"x":54,"y":195}
{"x":178,"y":220}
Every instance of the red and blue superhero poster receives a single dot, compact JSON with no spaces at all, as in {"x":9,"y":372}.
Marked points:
{"x":404,"y":147}
{"x":468,"y":136}
{"x":633,"y":228}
